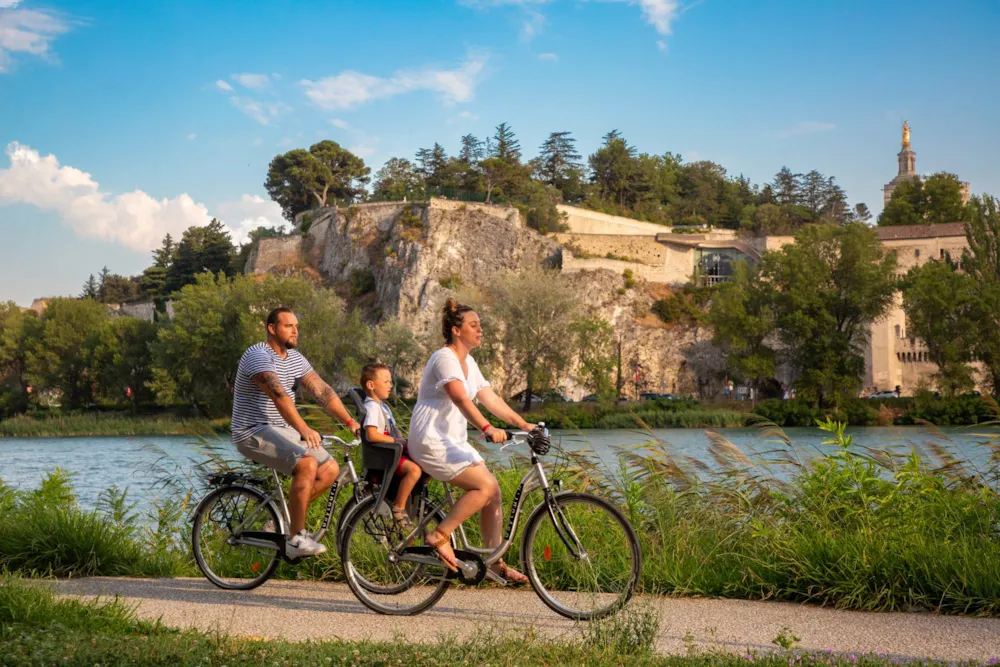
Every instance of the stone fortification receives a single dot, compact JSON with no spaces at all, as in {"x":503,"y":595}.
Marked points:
{"x":640,"y":249}
{"x":584,"y":221}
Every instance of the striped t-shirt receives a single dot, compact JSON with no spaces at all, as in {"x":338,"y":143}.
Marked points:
{"x":253,"y":410}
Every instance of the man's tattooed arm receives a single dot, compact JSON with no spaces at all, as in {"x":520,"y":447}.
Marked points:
{"x":328,"y":399}
{"x":269,"y":383}
{"x":321,"y":391}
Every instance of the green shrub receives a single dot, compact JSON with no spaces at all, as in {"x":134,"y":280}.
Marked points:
{"x":362,"y":281}
{"x":452,"y":281}
{"x":629,"y":278}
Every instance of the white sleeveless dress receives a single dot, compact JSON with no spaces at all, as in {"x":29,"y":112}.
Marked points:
{"x":438,"y":440}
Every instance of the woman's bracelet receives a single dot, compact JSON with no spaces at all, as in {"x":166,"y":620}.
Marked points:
{"x":486,"y":429}
{"x":351,"y":424}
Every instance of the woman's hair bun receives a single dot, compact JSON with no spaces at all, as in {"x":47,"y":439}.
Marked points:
{"x":450,"y":305}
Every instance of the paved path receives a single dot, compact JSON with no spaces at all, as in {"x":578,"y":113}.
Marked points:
{"x":297,"y":610}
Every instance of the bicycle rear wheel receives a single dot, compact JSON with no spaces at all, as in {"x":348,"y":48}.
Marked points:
{"x":586,"y":563}
{"x":400,"y":588}
{"x":225,"y":563}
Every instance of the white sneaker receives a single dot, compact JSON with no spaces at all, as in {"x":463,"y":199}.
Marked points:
{"x":301,"y":545}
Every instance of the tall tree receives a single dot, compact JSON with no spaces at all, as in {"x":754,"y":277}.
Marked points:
{"x":918,"y":202}
{"x":201,"y":249}
{"x":301,"y":179}
{"x":102,"y":278}
{"x":505,"y":145}
{"x":120,"y":360}
{"x":89,"y":288}
{"x":786,"y":186}
{"x":981,"y":261}
{"x":533,"y":310}
{"x":941,"y":306}
{"x":398,"y":180}
{"x":596,"y":349}
{"x":861,"y":213}
{"x":614,"y":170}
{"x":56,"y":358}
{"x":472,"y":150}
{"x":828,"y":287}
{"x":558,"y":160}
{"x":743,"y":316}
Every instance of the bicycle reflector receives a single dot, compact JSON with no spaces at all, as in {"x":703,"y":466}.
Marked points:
{"x":539,"y":441}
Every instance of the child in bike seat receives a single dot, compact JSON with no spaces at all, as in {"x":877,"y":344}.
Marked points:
{"x":379,"y":426}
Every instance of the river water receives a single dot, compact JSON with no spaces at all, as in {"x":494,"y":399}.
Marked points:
{"x":97,"y":463}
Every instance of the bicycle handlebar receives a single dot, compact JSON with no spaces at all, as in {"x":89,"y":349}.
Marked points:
{"x":332,"y":439}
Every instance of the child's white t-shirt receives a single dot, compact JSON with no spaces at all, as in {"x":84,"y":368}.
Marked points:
{"x":377,"y":414}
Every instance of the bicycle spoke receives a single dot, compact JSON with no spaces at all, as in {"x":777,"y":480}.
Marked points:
{"x":222,"y":559}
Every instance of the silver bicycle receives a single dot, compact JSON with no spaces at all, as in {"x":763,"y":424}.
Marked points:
{"x":580,"y":553}
{"x":239,"y":532}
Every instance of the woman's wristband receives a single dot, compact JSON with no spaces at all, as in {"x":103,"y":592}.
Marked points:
{"x":486,"y":429}
{"x":351,"y":424}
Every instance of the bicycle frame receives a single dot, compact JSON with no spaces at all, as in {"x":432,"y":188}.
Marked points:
{"x":347,"y":475}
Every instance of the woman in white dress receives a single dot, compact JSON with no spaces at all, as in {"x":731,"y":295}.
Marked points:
{"x":438,"y":440}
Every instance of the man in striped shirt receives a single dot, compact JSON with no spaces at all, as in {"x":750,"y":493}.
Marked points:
{"x":267,"y":427}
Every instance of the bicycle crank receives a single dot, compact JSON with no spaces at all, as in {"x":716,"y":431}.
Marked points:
{"x":471,"y":568}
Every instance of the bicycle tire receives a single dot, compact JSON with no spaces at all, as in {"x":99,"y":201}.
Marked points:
{"x":378,"y":584}
{"x":260,"y":562}
{"x":560,"y":589}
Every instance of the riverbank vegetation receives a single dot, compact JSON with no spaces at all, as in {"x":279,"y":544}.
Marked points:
{"x":850,"y":527}
{"x":43,"y":425}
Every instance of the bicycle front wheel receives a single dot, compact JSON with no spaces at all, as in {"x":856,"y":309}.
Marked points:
{"x":374,"y":572}
{"x":220,"y":518}
{"x":581,"y":555}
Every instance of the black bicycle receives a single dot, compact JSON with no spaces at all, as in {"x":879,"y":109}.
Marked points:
{"x":580,"y":553}
{"x":239,"y":532}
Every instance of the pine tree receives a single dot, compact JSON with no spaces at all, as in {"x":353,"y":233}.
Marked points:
{"x":557,"y":157}
{"x":861,"y":213}
{"x":89,"y":288}
{"x":786,"y":186}
{"x":438,"y":166}
{"x":472,"y":150}
{"x":505,"y":145}
{"x":163,"y":255}
{"x":101,"y":279}
{"x":423,"y":160}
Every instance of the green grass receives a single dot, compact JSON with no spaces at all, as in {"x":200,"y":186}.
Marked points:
{"x":659,"y":413}
{"x":38,"y":629}
{"x":101,"y":423}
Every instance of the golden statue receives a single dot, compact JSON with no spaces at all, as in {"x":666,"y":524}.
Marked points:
{"x":906,"y":134}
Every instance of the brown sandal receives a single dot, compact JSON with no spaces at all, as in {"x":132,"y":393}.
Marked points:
{"x":453,"y":563}
{"x":402,"y":519}
{"x":513,"y":577}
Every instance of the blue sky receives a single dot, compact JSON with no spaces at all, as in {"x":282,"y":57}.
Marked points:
{"x":124,"y":121}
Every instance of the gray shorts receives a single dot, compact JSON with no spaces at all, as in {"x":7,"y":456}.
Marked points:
{"x":280,"y":448}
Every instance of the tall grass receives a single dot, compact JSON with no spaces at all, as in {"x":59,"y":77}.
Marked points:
{"x":98,"y":423}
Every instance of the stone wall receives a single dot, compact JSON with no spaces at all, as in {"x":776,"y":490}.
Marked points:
{"x":641,"y":249}
{"x":275,"y":253}
{"x":585,"y":221}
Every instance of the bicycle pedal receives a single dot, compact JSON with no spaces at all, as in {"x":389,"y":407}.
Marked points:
{"x":496,"y":578}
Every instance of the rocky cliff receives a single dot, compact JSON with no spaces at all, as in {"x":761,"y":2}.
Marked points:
{"x":416,"y":254}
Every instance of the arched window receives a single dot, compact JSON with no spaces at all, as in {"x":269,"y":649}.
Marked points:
{"x":899,"y":330}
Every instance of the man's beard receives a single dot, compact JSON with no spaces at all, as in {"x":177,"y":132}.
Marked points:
{"x":290,"y":344}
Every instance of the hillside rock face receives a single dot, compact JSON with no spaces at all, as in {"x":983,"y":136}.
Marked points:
{"x":418,"y":254}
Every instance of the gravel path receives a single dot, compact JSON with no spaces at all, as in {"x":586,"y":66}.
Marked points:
{"x":297,"y":610}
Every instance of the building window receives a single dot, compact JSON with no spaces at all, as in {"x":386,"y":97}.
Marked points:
{"x":916,"y":253}
{"x":942,"y":253}
{"x":898,"y":331}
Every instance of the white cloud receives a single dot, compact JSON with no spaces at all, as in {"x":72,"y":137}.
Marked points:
{"x":252,"y":81}
{"x":350,"y":89}
{"x":192,"y":136}
{"x":257,"y":142}
{"x":247,"y":214}
{"x":222,"y":85}
{"x":27,"y":31}
{"x":659,"y":13}
{"x":661,"y":45}
{"x":134,"y":219}
{"x":468,"y":115}
{"x":262,"y":112}
{"x":551,"y":57}
{"x":342,"y":124}
{"x":485,"y":4}
{"x":806,"y":127}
